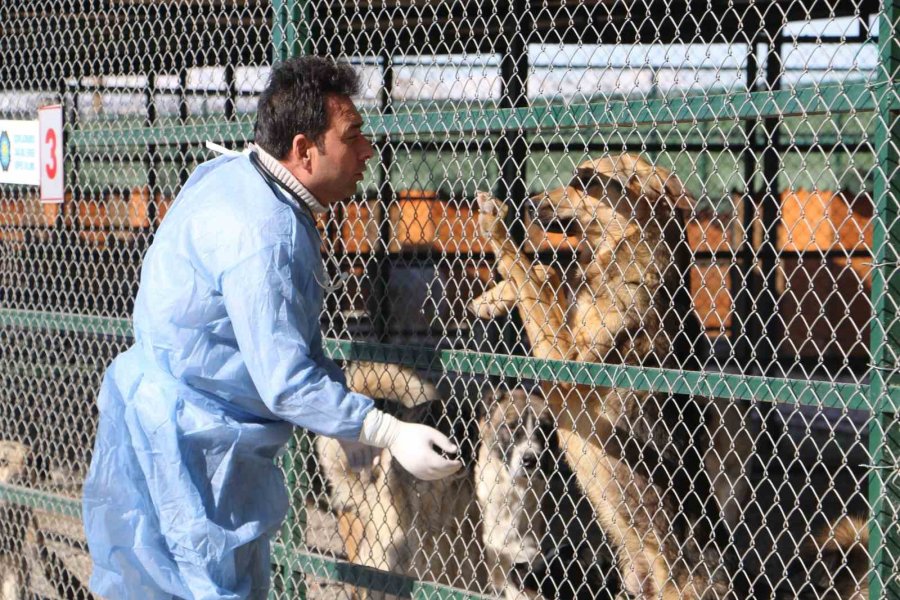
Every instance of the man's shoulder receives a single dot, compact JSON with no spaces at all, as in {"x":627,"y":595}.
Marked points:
{"x":227,"y":176}
{"x":234,"y":187}
{"x":226,"y":203}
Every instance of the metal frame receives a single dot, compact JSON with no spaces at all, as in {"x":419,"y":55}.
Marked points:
{"x":884,"y":432}
{"x":291,"y":34}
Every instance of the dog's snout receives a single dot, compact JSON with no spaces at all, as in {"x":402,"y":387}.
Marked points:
{"x":530,"y":461}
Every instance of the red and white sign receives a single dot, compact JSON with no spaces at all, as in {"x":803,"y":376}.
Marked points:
{"x":53,"y":182}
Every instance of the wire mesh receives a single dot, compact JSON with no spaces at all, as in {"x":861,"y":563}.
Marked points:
{"x":635,"y":258}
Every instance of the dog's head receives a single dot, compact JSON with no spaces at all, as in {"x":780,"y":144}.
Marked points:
{"x":613,"y":188}
{"x":517,"y":429}
{"x":13,"y":457}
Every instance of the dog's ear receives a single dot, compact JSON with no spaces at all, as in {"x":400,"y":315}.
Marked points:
{"x":485,"y":406}
{"x":643,"y":180}
{"x":674,"y":191}
{"x":586,"y":176}
{"x":655,"y":183}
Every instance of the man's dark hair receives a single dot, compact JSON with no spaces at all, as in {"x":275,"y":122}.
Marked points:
{"x":294,"y":101}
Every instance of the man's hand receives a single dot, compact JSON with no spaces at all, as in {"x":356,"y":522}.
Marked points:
{"x":414,"y":449}
{"x":359,"y":456}
{"x":412,"y":444}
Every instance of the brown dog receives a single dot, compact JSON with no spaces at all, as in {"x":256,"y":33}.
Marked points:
{"x":833,"y":564}
{"x":638,"y":456}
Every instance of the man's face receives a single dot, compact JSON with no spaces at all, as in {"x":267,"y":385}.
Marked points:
{"x":339,"y":160}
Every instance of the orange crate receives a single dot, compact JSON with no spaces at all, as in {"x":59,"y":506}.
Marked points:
{"x":359,"y":227}
{"x":419,"y":220}
{"x":414,"y":218}
{"x":17,"y":213}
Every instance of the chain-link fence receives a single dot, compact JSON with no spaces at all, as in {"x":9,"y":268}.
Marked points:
{"x":636,"y":258}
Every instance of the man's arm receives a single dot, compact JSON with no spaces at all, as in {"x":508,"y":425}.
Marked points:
{"x":281,"y":350}
{"x":272,"y":328}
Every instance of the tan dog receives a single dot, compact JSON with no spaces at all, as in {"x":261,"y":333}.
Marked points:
{"x":635,"y":454}
{"x":392,"y":521}
{"x":348,"y":488}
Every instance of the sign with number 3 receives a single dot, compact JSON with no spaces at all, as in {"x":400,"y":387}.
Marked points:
{"x":51,"y":141}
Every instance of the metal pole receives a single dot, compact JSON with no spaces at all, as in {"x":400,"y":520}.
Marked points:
{"x":290,"y":37}
{"x":884,"y":430}
{"x":379,"y":303}
{"x":767,"y":302}
{"x":512,"y":149}
{"x":152,"y":158}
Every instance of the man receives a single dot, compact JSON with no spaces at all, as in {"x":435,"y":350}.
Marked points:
{"x":184,"y":491}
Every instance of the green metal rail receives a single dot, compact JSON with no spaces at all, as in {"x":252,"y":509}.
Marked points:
{"x":852,"y":396}
{"x":829,"y":99}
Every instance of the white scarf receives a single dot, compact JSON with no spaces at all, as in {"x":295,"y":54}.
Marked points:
{"x":274,"y":166}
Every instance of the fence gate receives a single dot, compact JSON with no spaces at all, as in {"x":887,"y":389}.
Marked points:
{"x":665,"y":336}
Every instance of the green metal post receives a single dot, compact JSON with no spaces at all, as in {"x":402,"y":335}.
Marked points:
{"x":291,"y":31}
{"x":884,"y":433}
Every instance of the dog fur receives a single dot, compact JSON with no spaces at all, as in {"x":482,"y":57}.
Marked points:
{"x":541,"y":540}
{"x":22,"y":543}
{"x":427,"y":529}
{"x":15,"y":524}
{"x":631,"y":451}
{"x":348,"y":493}
{"x":393,"y":521}
{"x":833,"y":564}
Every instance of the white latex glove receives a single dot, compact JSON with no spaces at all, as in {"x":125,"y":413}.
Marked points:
{"x":411,"y":444}
{"x":359,"y":456}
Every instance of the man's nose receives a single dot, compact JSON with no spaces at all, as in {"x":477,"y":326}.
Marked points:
{"x":368,"y":151}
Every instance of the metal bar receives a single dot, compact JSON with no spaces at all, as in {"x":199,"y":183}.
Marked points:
{"x":279,"y":31}
{"x":767,"y":303}
{"x":884,"y":430}
{"x":285,"y":556}
{"x":743,"y":272}
{"x":67,"y":322}
{"x":72,"y":124}
{"x":60,"y":505}
{"x":766,"y":336}
{"x":293,"y":21}
{"x":183,"y":173}
{"x":710,"y":384}
{"x":380,"y":302}
{"x":512,"y":148}
{"x":707,"y":383}
{"x":151,"y":160}
{"x":232,"y":92}
{"x":846,"y":144}
{"x":657,"y":112}
{"x":340,"y":571}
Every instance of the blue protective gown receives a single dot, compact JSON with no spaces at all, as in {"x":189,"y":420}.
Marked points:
{"x":184,"y":491}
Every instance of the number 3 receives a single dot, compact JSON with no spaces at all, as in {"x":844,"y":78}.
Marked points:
{"x":50,"y":138}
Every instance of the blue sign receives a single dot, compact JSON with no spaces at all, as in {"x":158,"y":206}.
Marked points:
{"x":5,"y":151}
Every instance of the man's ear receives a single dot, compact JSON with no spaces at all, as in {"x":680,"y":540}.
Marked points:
{"x":302,"y":150}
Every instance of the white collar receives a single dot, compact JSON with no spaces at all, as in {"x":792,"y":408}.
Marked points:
{"x":280,"y":172}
